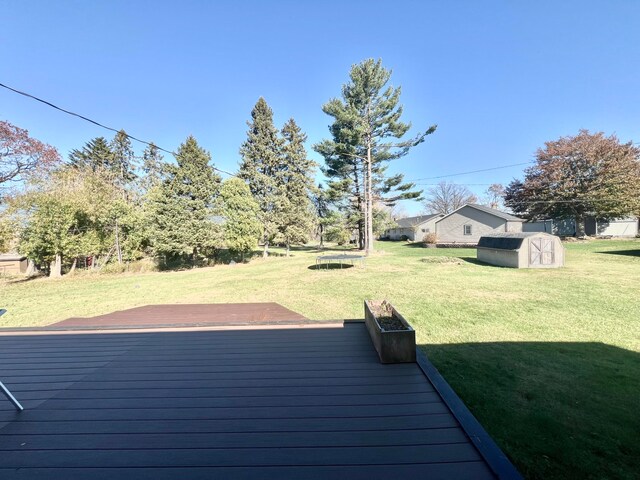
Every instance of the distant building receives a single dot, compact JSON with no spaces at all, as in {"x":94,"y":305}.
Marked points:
{"x":595,"y":227}
{"x":413,"y":228}
{"x":13,"y":264}
{"x":470,"y":222}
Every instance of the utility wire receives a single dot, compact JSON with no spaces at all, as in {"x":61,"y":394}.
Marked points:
{"x":28,"y":95}
{"x":474,"y":171}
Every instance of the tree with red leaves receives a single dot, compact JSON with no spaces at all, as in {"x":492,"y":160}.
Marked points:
{"x":574,"y":177}
{"x":21,"y":155}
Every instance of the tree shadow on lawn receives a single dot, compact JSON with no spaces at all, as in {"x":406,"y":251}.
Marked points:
{"x":22,"y":279}
{"x":626,"y":253}
{"x":559,"y":410}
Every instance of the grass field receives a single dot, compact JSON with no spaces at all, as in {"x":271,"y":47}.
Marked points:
{"x":547,"y":360}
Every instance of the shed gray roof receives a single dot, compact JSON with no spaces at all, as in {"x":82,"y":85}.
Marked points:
{"x":11,"y":257}
{"x":507,"y":240}
{"x":413,"y":221}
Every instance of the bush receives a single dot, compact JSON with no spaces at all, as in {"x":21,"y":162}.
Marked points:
{"x":430,"y":238}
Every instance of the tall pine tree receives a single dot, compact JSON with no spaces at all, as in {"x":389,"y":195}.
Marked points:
{"x":366,"y":135}
{"x":184,"y":206}
{"x":152,"y":167}
{"x":96,"y":155}
{"x":123,"y":162}
{"x":241,"y":213}
{"x":295,"y":181}
{"x":260,"y":167}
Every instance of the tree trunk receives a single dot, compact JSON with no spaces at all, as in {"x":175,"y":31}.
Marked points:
{"x":55,"y":270}
{"x":31,"y":268}
{"x":580,"y":226}
{"x":369,"y":236}
{"x":360,"y":206}
{"x":73,"y":266}
{"x":265,"y":250}
{"x":321,"y":236}
{"x":365,"y":209}
{"x":118,"y":249}
{"x":288,"y":249}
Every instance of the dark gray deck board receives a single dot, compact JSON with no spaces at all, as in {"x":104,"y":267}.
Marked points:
{"x":439,"y":471}
{"x":281,"y":403}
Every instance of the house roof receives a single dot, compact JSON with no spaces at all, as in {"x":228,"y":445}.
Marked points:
{"x":413,"y":221}
{"x":490,"y":211}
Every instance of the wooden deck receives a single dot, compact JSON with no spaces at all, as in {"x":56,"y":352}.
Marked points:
{"x":189,"y":315}
{"x":282,"y":403}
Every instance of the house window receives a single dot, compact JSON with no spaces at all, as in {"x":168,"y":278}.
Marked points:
{"x":467,"y":229}
{"x":425,"y":230}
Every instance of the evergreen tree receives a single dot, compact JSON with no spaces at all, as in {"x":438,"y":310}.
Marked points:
{"x":95,"y":155}
{"x":123,"y":159}
{"x":183,"y":206}
{"x":260,"y":167}
{"x":152,"y":166}
{"x":365,"y":120}
{"x":295,"y":215}
{"x":321,"y":204}
{"x":242,"y":227}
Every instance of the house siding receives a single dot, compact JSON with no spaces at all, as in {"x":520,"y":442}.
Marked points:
{"x":450,"y":229}
{"x":415,"y":234}
{"x":627,"y":227}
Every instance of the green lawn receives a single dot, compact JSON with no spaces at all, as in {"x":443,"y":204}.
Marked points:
{"x":547,"y":360}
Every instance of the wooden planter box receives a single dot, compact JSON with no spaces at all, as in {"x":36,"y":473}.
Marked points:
{"x":393,"y":346}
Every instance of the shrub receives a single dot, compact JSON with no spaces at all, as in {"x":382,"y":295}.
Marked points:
{"x":430,"y":238}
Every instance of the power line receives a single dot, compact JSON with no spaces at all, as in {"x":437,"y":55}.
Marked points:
{"x":475,"y":171}
{"x":462,"y":184}
{"x":82,"y":117}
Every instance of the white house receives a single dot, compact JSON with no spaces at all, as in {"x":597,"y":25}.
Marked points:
{"x":413,"y":228}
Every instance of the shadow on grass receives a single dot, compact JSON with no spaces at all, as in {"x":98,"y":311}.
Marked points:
{"x":559,"y":410}
{"x":16,"y":280}
{"x":626,"y":253}
{"x":415,"y":245}
{"x":330,"y":266}
{"x":475,"y":261}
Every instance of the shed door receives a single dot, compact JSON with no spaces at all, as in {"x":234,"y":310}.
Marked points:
{"x":541,"y":251}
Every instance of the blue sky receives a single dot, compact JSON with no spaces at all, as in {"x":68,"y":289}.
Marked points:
{"x":499,"y":78}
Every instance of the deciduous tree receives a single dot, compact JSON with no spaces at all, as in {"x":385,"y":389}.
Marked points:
{"x":576,"y":176}
{"x":21,"y":155}
{"x":445,"y":197}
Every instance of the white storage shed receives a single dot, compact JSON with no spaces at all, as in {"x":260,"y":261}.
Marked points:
{"x":521,"y":250}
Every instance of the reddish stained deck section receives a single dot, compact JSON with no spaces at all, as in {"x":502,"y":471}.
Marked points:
{"x":191,"y":315}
